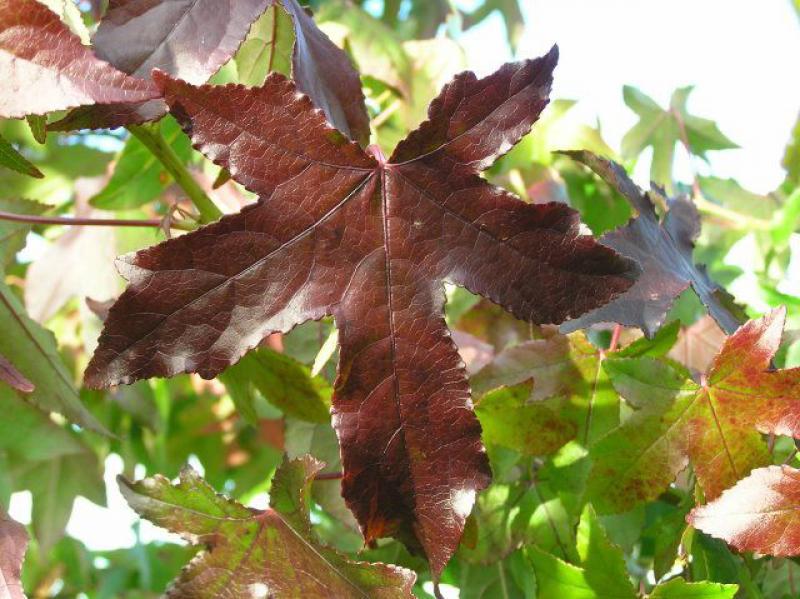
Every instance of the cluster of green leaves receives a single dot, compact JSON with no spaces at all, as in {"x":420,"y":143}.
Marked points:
{"x":600,"y":443}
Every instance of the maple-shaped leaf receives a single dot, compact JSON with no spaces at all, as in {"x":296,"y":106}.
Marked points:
{"x":664,"y":251}
{"x":759,"y":513}
{"x":254,"y":553}
{"x":371,"y":242}
{"x":715,"y":424}
{"x":13,"y":545}
{"x":45,"y":67}
{"x":191,"y":39}
{"x":662,"y":129}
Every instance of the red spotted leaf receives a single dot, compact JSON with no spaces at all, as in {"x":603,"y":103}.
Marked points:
{"x":339,"y":232}
{"x":191,"y":39}
{"x":45,"y":67}
{"x":663,"y":249}
{"x":13,"y":544}
{"x":759,"y":513}
{"x":255,"y":553}
{"x":716,"y":425}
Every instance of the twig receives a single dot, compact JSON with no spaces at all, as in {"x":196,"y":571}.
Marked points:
{"x":154,"y":142}
{"x":615,"y":335}
{"x":328,"y":476}
{"x":91,"y":222}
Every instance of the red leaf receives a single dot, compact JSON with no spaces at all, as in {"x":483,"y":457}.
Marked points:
{"x":370,"y":242}
{"x":44,"y":67}
{"x":664,"y":249}
{"x":13,"y":377}
{"x":191,"y":39}
{"x":13,"y":544}
{"x":759,"y":513}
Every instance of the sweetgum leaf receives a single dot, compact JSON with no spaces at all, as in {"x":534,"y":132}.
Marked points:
{"x":664,"y":250}
{"x":45,"y":67}
{"x":338,"y":232}
{"x":661,"y":129}
{"x":36,"y":357}
{"x":716,"y":424}
{"x":13,"y":545}
{"x":252,"y":553}
{"x":175,"y":45}
{"x":759,"y":513}
{"x":11,"y":158}
{"x":190,"y":39}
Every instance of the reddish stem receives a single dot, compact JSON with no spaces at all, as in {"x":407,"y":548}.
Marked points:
{"x":615,"y":335}
{"x":328,"y":476}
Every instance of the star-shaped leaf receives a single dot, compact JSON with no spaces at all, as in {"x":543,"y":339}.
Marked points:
{"x":715,"y":424}
{"x":371,"y":242}
{"x":45,"y":67}
{"x":662,"y":129}
{"x":759,"y":513}
{"x":191,"y":39}
{"x":13,"y":545}
{"x":664,"y":250}
{"x":253,"y":553}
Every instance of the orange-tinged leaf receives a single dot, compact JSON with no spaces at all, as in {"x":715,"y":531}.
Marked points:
{"x":759,"y":513}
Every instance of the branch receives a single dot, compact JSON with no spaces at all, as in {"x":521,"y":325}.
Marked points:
{"x":154,"y":142}
{"x":92,"y":222}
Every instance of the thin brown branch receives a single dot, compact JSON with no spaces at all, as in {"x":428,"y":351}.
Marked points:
{"x":328,"y":476}
{"x":91,"y":222}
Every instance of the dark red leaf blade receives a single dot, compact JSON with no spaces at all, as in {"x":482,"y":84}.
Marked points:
{"x":44,"y":67}
{"x":759,"y":513}
{"x":190,"y":39}
{"x":324,"y":73}
{"x":174,"y":45}
{"x":13,"y":377}
{"x":13,"y":545}
{"x":664,"y":250}
{"x":337,"y":232}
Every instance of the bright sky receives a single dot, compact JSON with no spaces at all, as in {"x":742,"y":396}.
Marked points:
{"x":741,"y":55}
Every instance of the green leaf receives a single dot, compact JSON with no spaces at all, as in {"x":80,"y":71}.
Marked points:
{"x":509,"y":418}
{"x":31,"y":434}
{"x":282,"y":381}
{"x":678,"y":588}
{"x":267,"y":48}
{"x":35,"y":355}
{"x":376,"y":48}
{"x":557,"y":579}
{"x":54,"y":485}
{"x":139,"y":176}
{"x":38,"y":127}
{"x":12,"y":234}
{"x":791,"y":157}
{"x":10,"y":158}
{"x":603,"y":562}
{"x":661,"y":129}
{"x":253,"y":552}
